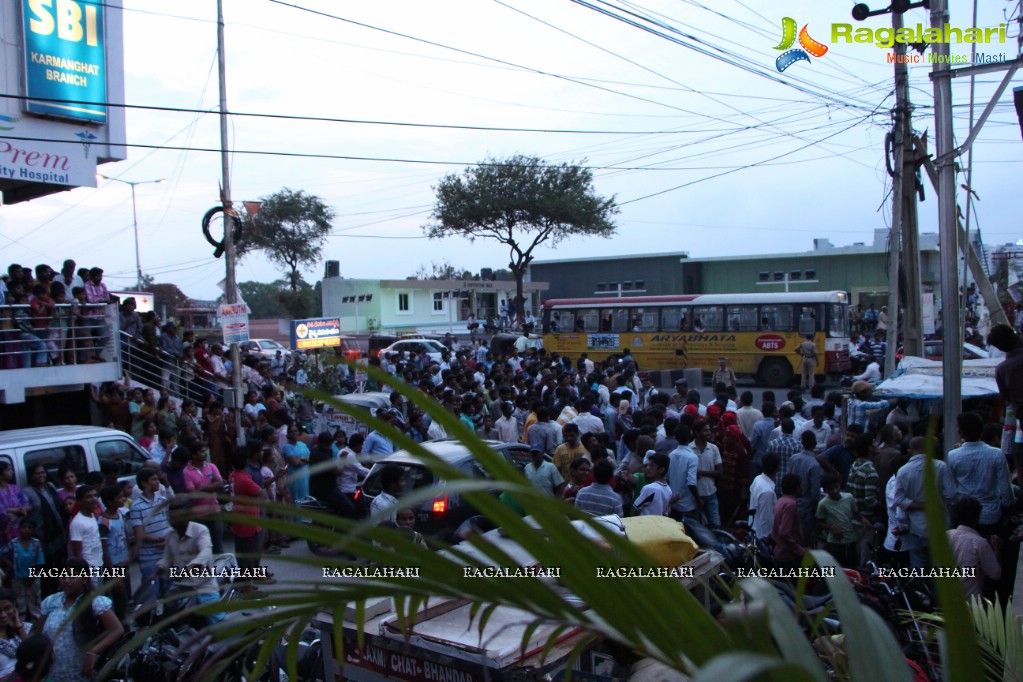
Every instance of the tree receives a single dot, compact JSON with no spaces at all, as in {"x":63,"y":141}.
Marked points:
{"x":168,"y":295}
{"x":278,"y":300}
{"x":521,"y":202}
{"x":442,"y":270}
{"x":291,"y":228}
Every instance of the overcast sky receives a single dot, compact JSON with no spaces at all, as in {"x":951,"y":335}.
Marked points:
{"x":740,"y":159}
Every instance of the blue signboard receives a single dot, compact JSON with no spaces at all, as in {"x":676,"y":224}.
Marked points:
{"x":65,"y":58}
{"x":322,"y":332}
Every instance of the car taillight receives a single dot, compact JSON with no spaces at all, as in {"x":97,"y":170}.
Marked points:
{"x":440,"y":505}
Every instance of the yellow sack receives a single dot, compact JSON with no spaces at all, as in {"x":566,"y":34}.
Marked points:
{"x":662,"y":538}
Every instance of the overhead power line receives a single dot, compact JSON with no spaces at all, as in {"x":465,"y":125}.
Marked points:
{"x":342,"y":157}
{"x":328,"y":119}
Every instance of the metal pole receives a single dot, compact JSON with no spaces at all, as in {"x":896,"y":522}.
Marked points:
{"x":969,"y":158}
{"x":231,"y":287}
{"x":898,"y":188}
{"x":951,"y":317}
{"x":135,"y":223}
{"x":909,"y":237}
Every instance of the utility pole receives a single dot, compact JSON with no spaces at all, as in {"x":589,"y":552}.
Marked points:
{"x":902,"y":120}
{"x":949,"y":234}
{"x":904,"y":246}
{"x":948,"y":237}
{"x":230,"y":285}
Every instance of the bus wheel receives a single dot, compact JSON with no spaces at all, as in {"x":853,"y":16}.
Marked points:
{"x":776,"y":373}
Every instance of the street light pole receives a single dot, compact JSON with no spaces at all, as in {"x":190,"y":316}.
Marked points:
{"x":135,"y":221}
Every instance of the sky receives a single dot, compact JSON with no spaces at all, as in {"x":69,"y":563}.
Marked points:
{"x":705,"y":145}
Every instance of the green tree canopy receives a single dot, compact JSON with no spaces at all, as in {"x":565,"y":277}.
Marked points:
{"x":442,"y":270}
{"x":276,"y":300}
{"x":291,"y":228}
{"x":168,"y":295}
{"x":522,"y":202}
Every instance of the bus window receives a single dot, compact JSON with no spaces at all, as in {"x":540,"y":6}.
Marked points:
{"x":707,"y":319}
{"x":644,"y":320}
{"x":742,"y":318}
{"x":675,"y":320}
{"x":776,"y":318}
{"x":587,"y":320}
{"x":808,"y":316}
{"x":838,"y":320}
{"x":620,"y":320}
{"x":562,"y":321}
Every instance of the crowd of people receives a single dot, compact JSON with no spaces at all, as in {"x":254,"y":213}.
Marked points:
{"x":806,"y":471}
{"x":53,"y":318}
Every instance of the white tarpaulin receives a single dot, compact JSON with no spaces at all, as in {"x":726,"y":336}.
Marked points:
{"x":921,"y":379}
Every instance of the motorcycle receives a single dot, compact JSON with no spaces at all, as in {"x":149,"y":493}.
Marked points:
{"x":183,"y":649}
{"x":312,"y":504}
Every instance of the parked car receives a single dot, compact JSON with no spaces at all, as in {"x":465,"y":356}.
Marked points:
{"x":414,"y":347}
{"x":329,"y":419}
{"x":83,"y":448}
{"x":378,"y":342}
{"x":266,"y":348}
{"x":440,"y":517}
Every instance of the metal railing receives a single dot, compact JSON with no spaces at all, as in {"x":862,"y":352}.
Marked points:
{"x":156,"y":368}
{"x":75,"y":334}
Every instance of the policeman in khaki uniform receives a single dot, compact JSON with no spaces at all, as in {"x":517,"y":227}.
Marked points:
{"x":808,"y":351}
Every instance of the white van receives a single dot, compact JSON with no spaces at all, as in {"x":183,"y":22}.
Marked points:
{"x":83,"y":448}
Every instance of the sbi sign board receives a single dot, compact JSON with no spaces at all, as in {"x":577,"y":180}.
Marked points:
{"x":65,"y":59}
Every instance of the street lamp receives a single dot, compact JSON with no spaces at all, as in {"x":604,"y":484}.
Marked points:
{"x":135,"y":221}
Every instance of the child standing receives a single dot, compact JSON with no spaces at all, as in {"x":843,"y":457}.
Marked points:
{"x":113,"y":533}
{"x":836,"y":514}
{"x":655,"y":497}
{"x":25,"y":553}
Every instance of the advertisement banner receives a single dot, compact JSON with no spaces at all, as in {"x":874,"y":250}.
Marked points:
{"x":65,"y":59}
{"x":50,"y":162}
{"x":234,"y":321}
{"x":322,"y":332}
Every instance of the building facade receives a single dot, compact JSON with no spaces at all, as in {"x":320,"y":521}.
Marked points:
{"x":860,"y":269}
{"x":398,"y":306}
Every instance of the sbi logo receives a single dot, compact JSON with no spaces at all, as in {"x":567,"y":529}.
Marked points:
{"x":73,"y":21}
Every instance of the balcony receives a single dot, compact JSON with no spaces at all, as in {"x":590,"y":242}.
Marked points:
{"x":41,"y":355}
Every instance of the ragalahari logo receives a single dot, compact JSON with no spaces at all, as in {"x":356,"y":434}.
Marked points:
{"x":788,"y":37}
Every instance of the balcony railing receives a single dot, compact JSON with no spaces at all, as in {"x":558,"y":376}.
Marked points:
{"x":73,"y":335}
{"x":157,"y":369}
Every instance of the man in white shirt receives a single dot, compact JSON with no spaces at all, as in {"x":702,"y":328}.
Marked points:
{"x":762,"y":498}
{"x":821,"y":429}
{"x":507,"y":425}
{"x":188,"y":556}
{"x":392,"y":481}
{"x":84,"y":529}
{"x":872,"y":373}
{"x":747,"y":415}
{"x":586,"y":422}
